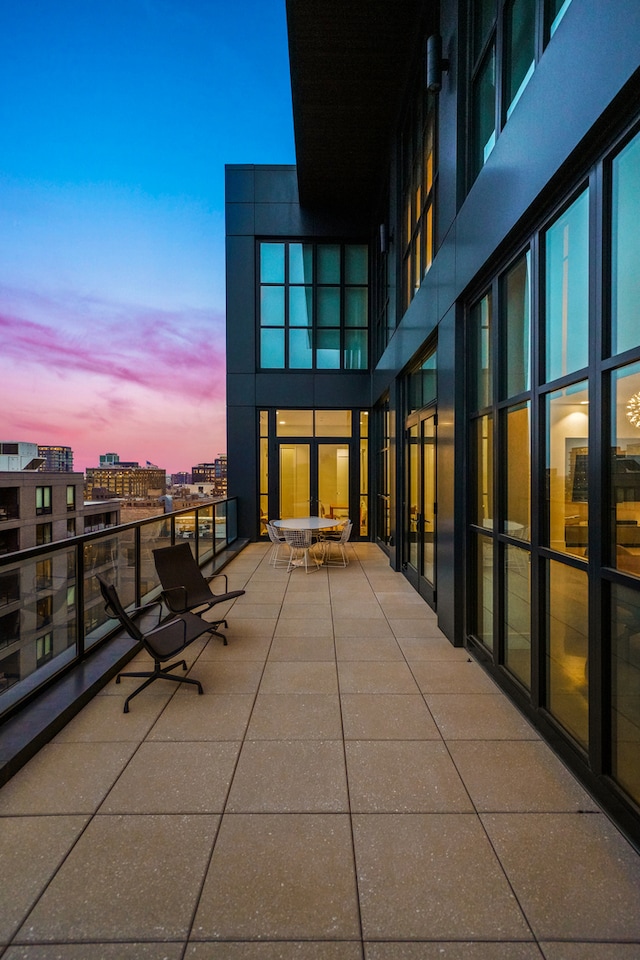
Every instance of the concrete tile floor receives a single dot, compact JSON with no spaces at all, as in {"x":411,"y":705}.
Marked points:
{"x":349,"y":787}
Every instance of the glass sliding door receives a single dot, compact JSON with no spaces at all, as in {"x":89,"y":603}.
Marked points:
{"x":422,"y":507}
{"x":295,"y":479}
{"x":311,"y":464}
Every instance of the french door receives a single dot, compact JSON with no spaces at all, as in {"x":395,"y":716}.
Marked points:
{"x":421,"y":503}
{"x":314,"y":479}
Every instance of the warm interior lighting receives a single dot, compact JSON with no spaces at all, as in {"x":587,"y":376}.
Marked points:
{"x":633,"y":410}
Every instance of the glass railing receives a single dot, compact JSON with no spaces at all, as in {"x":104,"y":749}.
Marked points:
{"x":51,"y":609}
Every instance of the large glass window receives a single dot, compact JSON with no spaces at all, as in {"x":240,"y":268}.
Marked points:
{"x":483,"y":132}
{"x":418,"y":164}
{"x":520,"y":49}
{"x":43,"y":500}
{"x":482,"y":379}
{"x":313,"y":306}
{"x":567,"y":627}
{"x":482,"y":509}
{"x":516,"y":297}
{"x":517,"y":517}
{"x":555,"y":11}
{"x":625,"y":678}
{"x":517,"y":612}
{"x":567,"y":459}
{"x":567,"y":291}
{"x":482,"y":612}
{"x":625,"y":468}
{"x":625,"y":249}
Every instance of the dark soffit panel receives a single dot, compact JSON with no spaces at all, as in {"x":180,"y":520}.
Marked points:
{"x":349,"y":64}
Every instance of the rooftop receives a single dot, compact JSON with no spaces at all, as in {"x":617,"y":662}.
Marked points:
{"x":349,"y":787}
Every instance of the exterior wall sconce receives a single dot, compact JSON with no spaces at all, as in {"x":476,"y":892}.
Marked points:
{"x":436,"y":64}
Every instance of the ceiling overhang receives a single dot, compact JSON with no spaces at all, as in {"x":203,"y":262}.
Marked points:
{"x":350,"y":61}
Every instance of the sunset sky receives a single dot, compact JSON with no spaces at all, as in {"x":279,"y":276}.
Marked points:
{"x":116,"y":120}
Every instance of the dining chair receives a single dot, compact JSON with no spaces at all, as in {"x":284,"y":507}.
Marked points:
{"x":277,"y":541}
{"x":339,"y":541}
{"x":300,"y":542}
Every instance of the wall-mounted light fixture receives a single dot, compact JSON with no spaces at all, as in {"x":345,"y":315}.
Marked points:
{"x":436,"y":64}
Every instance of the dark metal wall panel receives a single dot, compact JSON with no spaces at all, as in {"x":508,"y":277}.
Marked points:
{"x":241,"y":328}
{"x":242,"y":475}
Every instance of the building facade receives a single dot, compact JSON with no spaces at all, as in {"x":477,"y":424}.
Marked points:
{"x":434,"y":329}
{"x":125,"y":481}
{"x":37,"y":597}
{"x":57,"y":459}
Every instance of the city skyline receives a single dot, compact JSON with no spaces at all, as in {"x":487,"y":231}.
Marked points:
{"x":116,"y":123}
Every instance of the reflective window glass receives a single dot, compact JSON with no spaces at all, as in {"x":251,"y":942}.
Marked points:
{"x":355,"y":350}
{"x":517,"y":613}
{"x":484,"y":110}
{"x":300,"y":306}
{"x":520,"y":35}
{"x":300,"y":349}
{"x":356,"y":267}
{"x":328,"y":350}
{"x":300,"y":263}
{"x":328,"y":301}
{"x":272,"y":306}
{"x":272,"y":262}
{"x":483,"y":606}
{"x":355,"y":307}
{"x":482,"y":514}
{"x":481,"y":359}
{"x":625,"y":468}
{"x":567,"y":291}
{"x":625,"y":678}
{"x":567,"y":459}
{"x":272,"y":348}
{"x":625,"y":249}
{"x":518,"y":472}
{"x":328,"y":263}
{"x":567,"y":628}
{"x":484,"y":13}
{"x":556,"y":10}
{"x":517,"y":342}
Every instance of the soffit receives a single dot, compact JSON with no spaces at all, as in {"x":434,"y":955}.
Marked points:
{"x":350,"y":61}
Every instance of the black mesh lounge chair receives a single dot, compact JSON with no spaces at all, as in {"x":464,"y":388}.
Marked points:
{"x":185,"y":588}
{"x":162,"y":642}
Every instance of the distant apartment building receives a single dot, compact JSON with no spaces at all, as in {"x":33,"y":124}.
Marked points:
{"x":181,"y":479}
{"x":126,"y":481}
{"x":212,"y":473}
{"x":113,"y":460}
{"x":57,"y":459}
{"x":37,"y":596}
{"x":38,"y":508}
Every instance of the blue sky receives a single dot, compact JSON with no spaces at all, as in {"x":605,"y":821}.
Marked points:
{"x":116,"y":120}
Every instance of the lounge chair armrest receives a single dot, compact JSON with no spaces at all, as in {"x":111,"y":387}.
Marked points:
{"x":176,"y":597}
{"x":214,"y":576}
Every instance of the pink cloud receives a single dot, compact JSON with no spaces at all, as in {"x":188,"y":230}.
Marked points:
{"x":147,"y":383}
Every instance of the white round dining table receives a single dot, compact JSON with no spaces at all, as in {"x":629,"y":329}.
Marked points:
{"x":307,"y":523}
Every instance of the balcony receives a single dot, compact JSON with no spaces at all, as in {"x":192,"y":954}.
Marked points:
{"x":349,"y":787}
{"x":49,"y":601}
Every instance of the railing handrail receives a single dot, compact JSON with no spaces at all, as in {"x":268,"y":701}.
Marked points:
{"x":29,"y":553}
{"x":76,"y":611}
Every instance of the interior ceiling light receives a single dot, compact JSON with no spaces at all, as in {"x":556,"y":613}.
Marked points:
{"x":633,"y":410}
